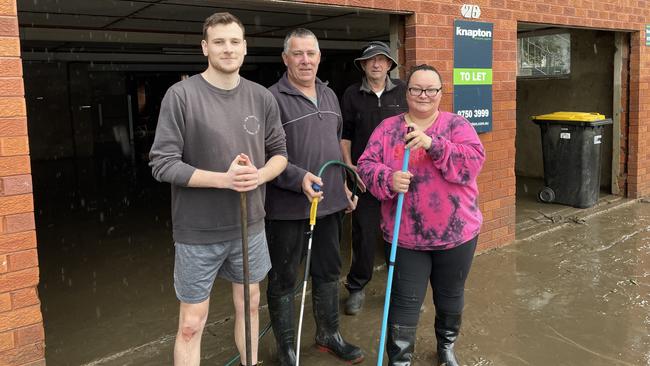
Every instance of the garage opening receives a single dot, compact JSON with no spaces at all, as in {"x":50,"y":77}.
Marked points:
{"x":95,"y":73}
{"x":568,"y":69}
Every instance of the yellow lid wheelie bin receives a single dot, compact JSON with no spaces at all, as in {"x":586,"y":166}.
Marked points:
{"x":571,"y":144}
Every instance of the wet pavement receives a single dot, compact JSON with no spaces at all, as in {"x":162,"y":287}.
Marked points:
{"x":574,"y":289}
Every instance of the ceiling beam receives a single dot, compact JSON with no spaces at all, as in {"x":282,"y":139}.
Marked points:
{"x":168,"y":39}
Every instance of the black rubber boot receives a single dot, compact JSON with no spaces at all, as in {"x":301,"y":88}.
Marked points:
{"x":447,"y":327}
{"x":281,"y":313}
{"x":400,"y":345}
{"x":354,"y":303}
{"x":326,"y":312}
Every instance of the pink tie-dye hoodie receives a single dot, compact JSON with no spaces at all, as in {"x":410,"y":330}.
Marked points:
{"x":441,"y":206}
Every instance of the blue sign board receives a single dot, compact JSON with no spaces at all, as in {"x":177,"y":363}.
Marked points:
{"x":473,"y":73}
{"x":647,"y":35}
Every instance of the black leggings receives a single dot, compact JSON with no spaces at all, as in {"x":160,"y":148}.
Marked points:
{"x":446,"y":270}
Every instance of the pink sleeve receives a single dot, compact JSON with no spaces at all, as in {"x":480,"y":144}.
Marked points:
{"x":460,"y":157}
{"x":372,"y":167}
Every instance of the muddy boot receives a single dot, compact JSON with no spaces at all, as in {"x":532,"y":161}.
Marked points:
{"x":447,"y":327}
{"x":326,"y":312}
{"x":354,"y":303}
{"x":400,"y":345}
{"x":281,"y":313}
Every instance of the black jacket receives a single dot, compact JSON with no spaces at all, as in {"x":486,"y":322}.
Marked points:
{"x":363,"y":111}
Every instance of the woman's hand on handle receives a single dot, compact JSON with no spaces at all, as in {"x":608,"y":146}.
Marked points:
{"x":401,"y":181}
{"x":417,"y":139}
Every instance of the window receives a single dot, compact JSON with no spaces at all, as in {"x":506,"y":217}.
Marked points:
{"x":544,"y":55}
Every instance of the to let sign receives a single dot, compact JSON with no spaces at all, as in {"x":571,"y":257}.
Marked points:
{"x":473,"y":73}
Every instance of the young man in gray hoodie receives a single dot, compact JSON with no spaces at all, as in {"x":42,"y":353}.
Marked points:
{"x":218,"y":134}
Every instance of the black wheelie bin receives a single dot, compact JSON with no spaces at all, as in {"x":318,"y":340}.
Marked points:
{"x":571,"y":144}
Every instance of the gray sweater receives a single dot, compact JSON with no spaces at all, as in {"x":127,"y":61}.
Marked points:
{"x":313,"y":135}
{"x":203,"y":127}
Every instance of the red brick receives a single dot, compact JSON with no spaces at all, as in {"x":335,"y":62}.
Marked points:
{"x":410,"y":5}
{"x":26,"y":355}
{"x":6,"y":341}
{"x":13,"y":127}
{"x":22,"y":260}
{"x":357,"y":3}
{"x":19,"y":318}
{"x":11,"y":67}
{"x":5,"y":302}
{"x":9,"y":46}
{"x":18,"y":280}
{"x":24,"y":297}
{"x":384,"y":4}
{"x":16,"y":204}
{"x":8,"y":7}
{"x":4,"y":264}
{"x":10,"y":146}
{"x":18,"y":223}
{"x":8,"y":26}
{"x":431,"y":7}
{"x":14,"y":165}
{"x":29,"y":335}
{"x":10,"y":243}
{"x":17,"y":184}
{"x":12,"y":107}
{"x":36,"y":363}
{"x":11,"y":87}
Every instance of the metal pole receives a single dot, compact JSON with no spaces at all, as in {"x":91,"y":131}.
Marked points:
{"x":312,"y":223}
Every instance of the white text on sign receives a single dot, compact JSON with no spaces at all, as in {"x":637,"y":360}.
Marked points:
{"x":473,"y":76}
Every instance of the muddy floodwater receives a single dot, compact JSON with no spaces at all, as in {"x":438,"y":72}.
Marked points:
{"x":575,"y":294}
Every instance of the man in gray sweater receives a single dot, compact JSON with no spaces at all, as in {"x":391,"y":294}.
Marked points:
{"x":218,"y":134}
{"x":311,"y":118}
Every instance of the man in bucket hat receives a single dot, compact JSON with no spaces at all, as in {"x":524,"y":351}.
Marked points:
{"x":364,"y":105}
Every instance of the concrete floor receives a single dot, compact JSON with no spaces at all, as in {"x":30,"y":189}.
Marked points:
{"x":573,"y":289}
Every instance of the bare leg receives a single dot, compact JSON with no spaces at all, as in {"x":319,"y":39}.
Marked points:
{"x":240,"y":332}
{"x":187,"y":349}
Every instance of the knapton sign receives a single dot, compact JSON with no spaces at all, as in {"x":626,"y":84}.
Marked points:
{"x":474,"y":33}
{"x":473,"y":73}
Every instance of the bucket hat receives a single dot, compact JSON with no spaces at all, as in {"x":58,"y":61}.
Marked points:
{"x":373,"y":49}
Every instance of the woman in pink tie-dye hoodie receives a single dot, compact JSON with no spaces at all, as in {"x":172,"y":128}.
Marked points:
{"x":440,"y":219}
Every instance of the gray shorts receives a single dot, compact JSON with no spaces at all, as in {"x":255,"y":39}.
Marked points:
{"x":197,"y":265}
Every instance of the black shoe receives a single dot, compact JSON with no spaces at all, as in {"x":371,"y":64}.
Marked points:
{"x":400,"y":345}
{"x":281,"y":313}
{"x":354,"y":303}
{"x":326,"y":312}
{"x":447,"y":328}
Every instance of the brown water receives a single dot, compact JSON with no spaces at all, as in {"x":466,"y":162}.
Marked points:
{"x":579,"y":295}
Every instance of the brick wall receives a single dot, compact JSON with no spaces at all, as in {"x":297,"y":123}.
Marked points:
{"x":639,"y":163}
{"x":21,"y":326}
{"x":429,"y":38}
